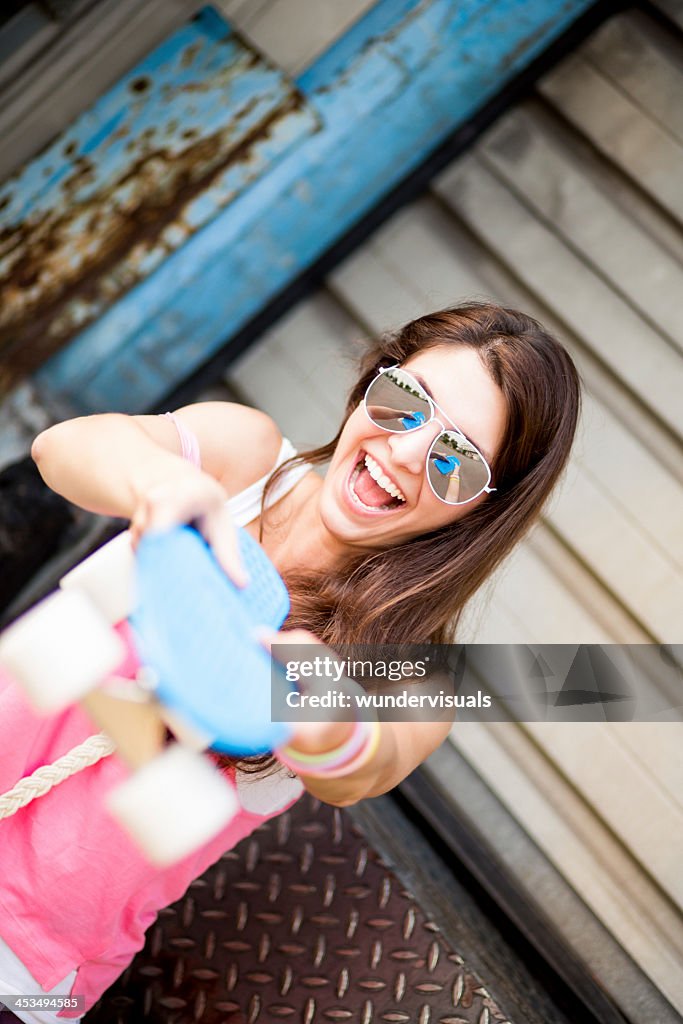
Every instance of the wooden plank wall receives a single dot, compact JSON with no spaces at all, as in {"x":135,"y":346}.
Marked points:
{"x":293,"y":33}
{"x":570,"y":208}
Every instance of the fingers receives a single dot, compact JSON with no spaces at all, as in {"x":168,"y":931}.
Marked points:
{"x":268,"y":637}
{"x":309,"y":737}
{"x":318,"y":737}
{"x":196,"y":498}
{"x":276,"y":643}
{"x":139,"y":523}
{"x":163,"y":510}
{"x":151,"y":514}
{"x":219,"y":530}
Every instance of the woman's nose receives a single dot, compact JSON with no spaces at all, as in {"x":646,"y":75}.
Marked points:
{"x":409,"y":449}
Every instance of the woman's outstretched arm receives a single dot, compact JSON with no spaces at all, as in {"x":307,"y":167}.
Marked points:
{"x":131,"y":466}
{"x":109,"y":463}
{"x":106,"y":462}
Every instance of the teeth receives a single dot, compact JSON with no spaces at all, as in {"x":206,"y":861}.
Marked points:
{"x":384,"y":482}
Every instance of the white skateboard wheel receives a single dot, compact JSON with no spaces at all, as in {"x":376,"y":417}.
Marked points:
{"x":108,"y":578}
{"x":173,"y":805}
{"x":59,"y":650}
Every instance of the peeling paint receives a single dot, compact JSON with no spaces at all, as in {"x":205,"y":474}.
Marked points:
{"x":128,"y":173}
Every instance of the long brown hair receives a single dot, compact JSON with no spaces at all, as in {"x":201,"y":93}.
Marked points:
{"x":390,"y":595}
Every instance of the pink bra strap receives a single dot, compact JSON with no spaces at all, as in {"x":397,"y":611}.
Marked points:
{"x":188,"y":442}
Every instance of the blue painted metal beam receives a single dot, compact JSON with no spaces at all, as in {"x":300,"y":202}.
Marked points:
{"x":388,"y":93}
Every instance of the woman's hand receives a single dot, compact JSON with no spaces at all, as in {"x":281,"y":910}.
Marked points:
{"x":311,"y":737}
{"x":402,"y":745}
{"x":192,"y":496}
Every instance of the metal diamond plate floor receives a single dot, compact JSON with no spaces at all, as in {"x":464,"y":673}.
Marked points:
{"x":302,"y":921}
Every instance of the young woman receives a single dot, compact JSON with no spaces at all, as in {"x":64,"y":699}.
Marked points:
{"x":456,"y":431}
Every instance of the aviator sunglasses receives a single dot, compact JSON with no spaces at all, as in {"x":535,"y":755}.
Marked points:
{"x":456,"y":470}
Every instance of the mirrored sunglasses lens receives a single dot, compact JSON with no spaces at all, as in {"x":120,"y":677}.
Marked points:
{"x":395,"y":402}
{"x":456,"y":470}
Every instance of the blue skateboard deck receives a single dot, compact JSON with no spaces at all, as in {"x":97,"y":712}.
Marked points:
{"x":195,"y":631}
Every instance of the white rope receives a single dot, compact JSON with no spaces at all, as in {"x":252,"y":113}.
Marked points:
{"x":94,"y":749}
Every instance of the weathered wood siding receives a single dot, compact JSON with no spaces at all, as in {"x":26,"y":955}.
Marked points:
{"x":293,"y":33}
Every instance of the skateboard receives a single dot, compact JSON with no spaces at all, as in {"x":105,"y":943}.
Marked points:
{"x":153,"y":641}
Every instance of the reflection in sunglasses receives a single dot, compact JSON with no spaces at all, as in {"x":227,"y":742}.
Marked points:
{"x":384,"y":414}
{"x":413,"y":420}
{"x":447,"y":465}
{"x":459,"y":444}
{"x":407,"y":385}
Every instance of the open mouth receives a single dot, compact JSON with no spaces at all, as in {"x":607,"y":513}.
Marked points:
{"x":370,"y":488}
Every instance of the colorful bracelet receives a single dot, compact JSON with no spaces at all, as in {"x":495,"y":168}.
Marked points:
{"x":328,"y":759}
{"x":364,"y":757}
{"x":338,"y":755}
{"x":353,"y":754}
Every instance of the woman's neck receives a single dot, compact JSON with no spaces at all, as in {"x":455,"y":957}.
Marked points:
{"x":294,"y":535}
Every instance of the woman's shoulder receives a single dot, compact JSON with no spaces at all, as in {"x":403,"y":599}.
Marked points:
{"x":238,"y":444}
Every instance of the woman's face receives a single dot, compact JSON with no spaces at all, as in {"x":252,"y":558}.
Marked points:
{"x":464,"y":390}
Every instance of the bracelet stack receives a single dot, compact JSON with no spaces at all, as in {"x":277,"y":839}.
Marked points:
{"x":351,"y":755}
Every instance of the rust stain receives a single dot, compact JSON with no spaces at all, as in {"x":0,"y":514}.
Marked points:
{"x":65,"y":269}
{"x":84,"y":171}
{"x":221,"y":79}
{"x":190,"y":54}
{"x":120,"y":133}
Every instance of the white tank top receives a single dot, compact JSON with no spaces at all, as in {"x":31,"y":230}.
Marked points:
{"x":246,"y":505}
{"x":262,"y":795}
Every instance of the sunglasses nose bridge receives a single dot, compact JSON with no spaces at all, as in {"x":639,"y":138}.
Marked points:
{"x":410,"y":447}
